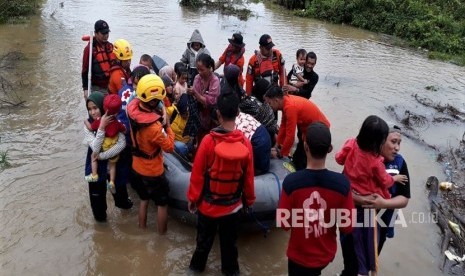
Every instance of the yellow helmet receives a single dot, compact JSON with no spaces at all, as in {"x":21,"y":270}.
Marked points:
{"x":150,"y":87}
{"x":122,"y":49}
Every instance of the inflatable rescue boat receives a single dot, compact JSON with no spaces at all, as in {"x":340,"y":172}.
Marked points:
{"x":267,"y":191}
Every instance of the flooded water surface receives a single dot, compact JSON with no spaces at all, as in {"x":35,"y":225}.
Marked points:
{"x":46,"y":224}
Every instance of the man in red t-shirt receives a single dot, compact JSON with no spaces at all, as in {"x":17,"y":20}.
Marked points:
{"x":314,"y":203}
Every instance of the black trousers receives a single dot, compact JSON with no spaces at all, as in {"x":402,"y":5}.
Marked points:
{"x":98,"y":190}
{"x":206,"y":231}
{"x":349,"y":256}
{"x":295,"y":269}
{"x":123,"y":174}
{"x":299,"y":158}
{"x":348,"y":252}
{"x":98,"y":201}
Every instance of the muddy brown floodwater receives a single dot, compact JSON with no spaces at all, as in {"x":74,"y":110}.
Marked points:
{"x":46,"y":225}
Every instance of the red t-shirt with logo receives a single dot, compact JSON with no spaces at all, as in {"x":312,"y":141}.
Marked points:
{"x":320,"y":193}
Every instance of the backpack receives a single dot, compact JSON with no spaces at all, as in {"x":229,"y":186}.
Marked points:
{"x":224,"y":180}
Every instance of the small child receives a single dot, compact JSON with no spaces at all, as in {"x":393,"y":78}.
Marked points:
{"x":178,"y":115}
{"x":148,"y":62}
{"x":298,"y":68}
{"x":364,"y":167}
{"x":195,"y":47}
{"x":111,"y":106}
{"x":180,"y":87}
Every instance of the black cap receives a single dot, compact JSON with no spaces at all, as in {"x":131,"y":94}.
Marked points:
{"x":237,"y":40}
{"x":266,"y":41}
{"x":318,"y":137}
{"x":101,"y":27}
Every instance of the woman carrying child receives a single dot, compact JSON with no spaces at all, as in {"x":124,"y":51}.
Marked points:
{"x":111,"y":106}
{"x":363,"y":165}
{"x":94,"y":140}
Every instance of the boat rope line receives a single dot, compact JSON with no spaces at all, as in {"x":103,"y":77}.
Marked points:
{"x":265,"y":228}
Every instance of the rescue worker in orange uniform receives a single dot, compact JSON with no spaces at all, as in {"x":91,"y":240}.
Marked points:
{"x":120,"y":71}
{"x":297,"y":112}
{"x":268,"y":63}
{"x":148,"y":140}
{"x":234,"y":54}
{"x":102,"y":59}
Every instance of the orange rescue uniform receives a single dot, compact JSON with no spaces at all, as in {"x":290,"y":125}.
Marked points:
{"x":261,"y":67}
{"x":233,"y":59}
{"x":117,"y":74}
{"x":150,"y":139}
{"x":297,"y":112}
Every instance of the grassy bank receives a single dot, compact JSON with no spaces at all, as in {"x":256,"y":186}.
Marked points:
{"x":435,"y":25}
{"x":17,"y":10}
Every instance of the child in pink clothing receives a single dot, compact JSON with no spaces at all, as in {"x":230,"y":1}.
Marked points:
{"x":364,"y":167}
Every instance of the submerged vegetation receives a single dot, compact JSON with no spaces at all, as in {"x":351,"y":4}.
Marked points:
{"x":226,"y":7}
{"x":4,"y":163}
{"x":434,"y":25}
{"x":8,"y":96}
{"x":12,"y":11}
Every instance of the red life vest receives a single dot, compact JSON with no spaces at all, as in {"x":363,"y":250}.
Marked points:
{"x":102,"y":57}
{"x":224,"y":180}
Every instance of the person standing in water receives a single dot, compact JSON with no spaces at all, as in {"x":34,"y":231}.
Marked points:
{"x":94,"y":140}
{"x":400,"y":195}
{"x":364,"y":167}
{"x":102,"y":59}
{"x":319,"y":191}
{"x":221,"y":184}
{"x":148,"y":128}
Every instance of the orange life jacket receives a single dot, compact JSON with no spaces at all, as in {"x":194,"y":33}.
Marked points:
{"x":116,"y":67}
{"x":102,"y":57}
{"x":231,"y":57}
{"x":138,"y":120}
{"x":224,"y":180}
{"x":267,"y":68}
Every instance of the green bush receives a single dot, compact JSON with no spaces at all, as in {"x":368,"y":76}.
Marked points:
{"x":11,"y":10}
{"x":436,"y":25}
{"x":4,"y":160}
